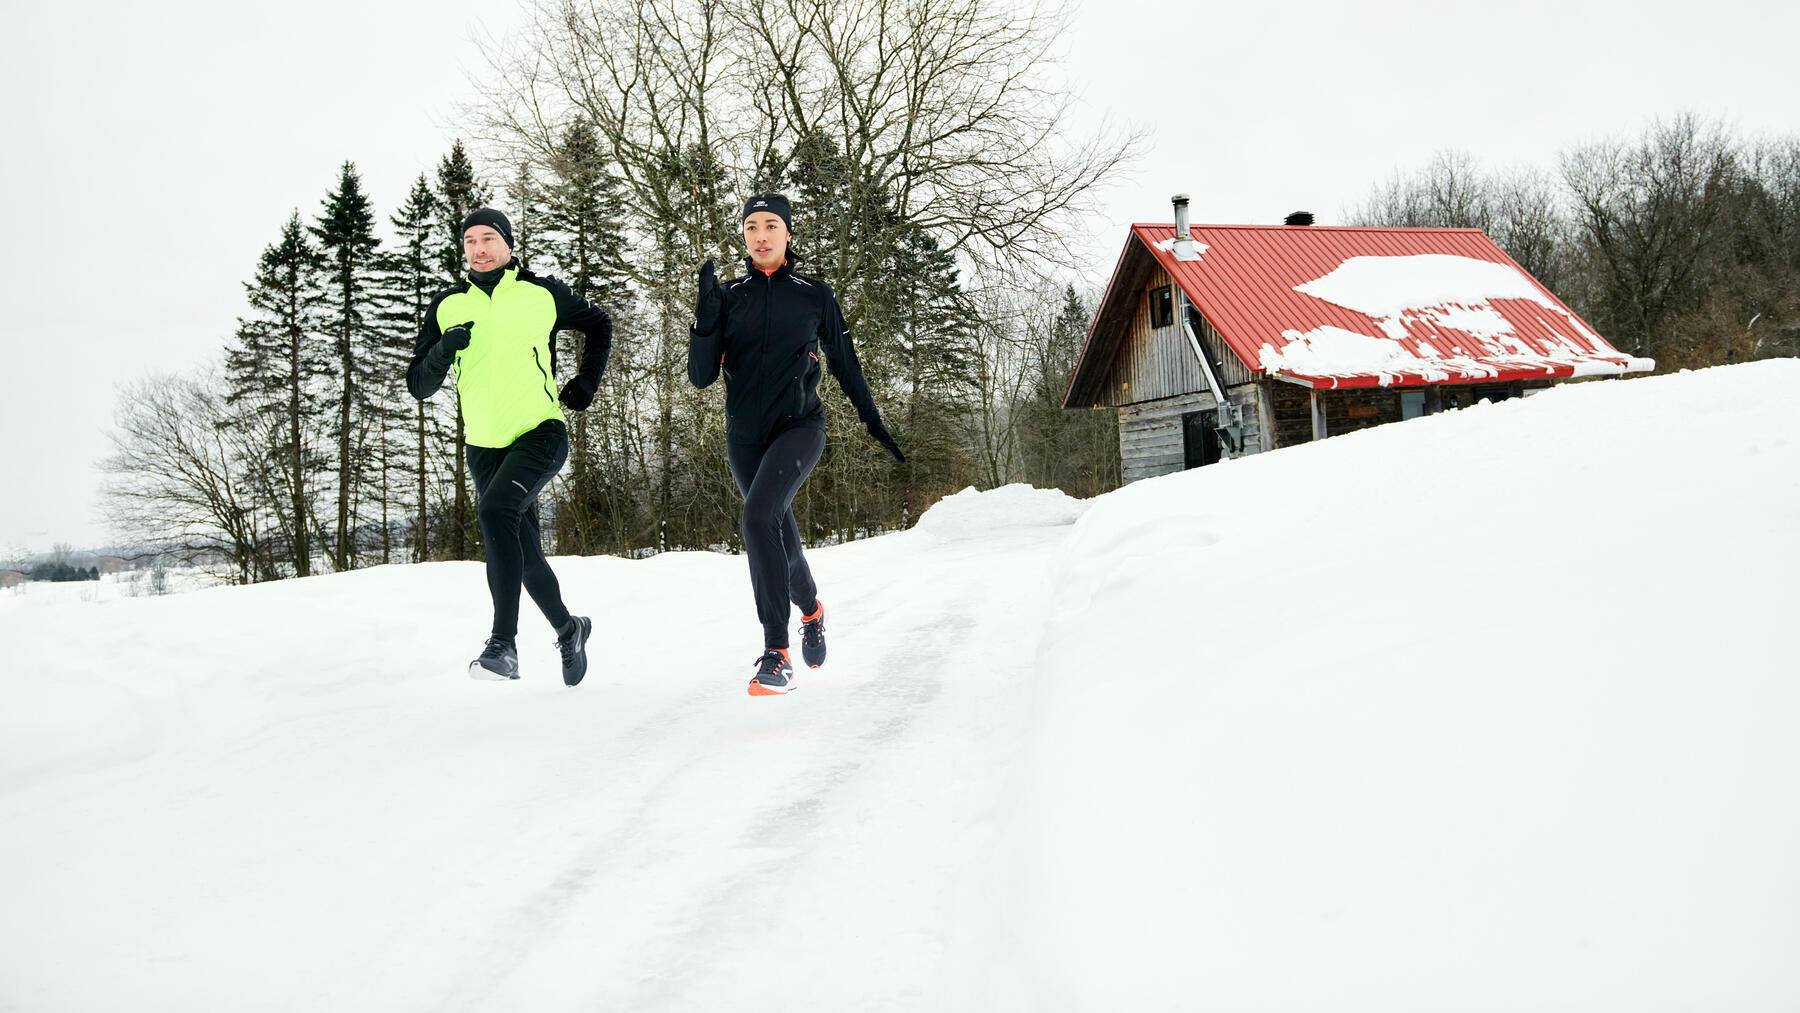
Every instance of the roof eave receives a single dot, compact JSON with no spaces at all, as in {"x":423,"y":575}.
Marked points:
{"x":1100,"y":309}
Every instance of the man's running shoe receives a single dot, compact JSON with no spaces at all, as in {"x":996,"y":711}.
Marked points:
{"x":812,"y":636}
{"x":774,"y":673}
{"x":498,"y":661}
{"x":572,"y":640}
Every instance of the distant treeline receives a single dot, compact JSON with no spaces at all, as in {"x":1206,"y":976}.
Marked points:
{"x":930,"y":189}
{"x":63,"y":572}
{"x":1681,"y":243}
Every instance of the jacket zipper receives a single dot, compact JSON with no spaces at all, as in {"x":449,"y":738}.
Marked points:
{"x":540,"y":366}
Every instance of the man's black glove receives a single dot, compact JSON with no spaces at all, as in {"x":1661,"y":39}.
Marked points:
{"x":883,"y":437}
{"x":710,"y":302}
{"x":578,"y":393}
{"x":456,"y":338}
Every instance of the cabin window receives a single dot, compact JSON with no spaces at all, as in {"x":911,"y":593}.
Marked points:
{"x":1162,"y":307}
{"x":1412,"y":404}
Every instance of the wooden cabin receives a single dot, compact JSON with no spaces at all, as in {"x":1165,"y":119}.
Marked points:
{"x":1217,"y":341}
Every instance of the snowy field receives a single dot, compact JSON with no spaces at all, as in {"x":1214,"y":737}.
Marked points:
{"x":1492,"y":710}
{"x":110,"y":587}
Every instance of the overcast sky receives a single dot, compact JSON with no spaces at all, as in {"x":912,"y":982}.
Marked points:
{"x":152,"y":151}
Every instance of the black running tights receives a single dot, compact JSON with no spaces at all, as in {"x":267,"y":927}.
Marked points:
{"x":508,"y":480}
{"x":768,"y":477}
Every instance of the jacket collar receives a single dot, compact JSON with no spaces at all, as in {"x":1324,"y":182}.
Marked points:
{"x":786,"y":268}
{"x":497,"y":277}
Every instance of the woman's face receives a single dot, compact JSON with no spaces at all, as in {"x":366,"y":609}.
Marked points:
{"x":766,"y":237}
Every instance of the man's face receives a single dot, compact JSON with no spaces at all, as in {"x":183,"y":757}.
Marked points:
{"x":766,"y":236}
{"x":485,"y":249}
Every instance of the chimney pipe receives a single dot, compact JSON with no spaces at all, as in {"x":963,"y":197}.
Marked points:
{"x":1181,"y":218}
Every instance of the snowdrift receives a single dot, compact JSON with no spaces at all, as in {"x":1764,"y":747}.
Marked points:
{"x":1487,"y":710}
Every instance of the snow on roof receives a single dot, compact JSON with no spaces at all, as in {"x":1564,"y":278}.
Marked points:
{"x":1194,"y":251}
{"x":1349,"y":307}
{"x":1389,"y":286}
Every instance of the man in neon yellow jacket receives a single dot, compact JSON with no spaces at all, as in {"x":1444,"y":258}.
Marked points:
{"x":497,"y":327}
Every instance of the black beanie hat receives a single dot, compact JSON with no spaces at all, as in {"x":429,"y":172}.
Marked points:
{"x":771,"y":202}
{"x":493,"y":220}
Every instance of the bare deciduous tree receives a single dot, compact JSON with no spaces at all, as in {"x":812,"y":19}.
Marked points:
{"x":183,"y":482}
{"x":1652,"y":213}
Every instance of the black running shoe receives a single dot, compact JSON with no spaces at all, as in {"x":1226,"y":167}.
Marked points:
{"x":812,"y":636}
{"x":499,"y":661}
{"x":774,"y":673}
{"x":572,"y":640}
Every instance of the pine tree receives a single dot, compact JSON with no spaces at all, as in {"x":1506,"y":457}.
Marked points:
{"x":1074,"y":451}
{"x":910,"y":320}
{"x":581,"y":232}
{"x":411,"y":279}
{"x":686,"y":501}
{"x":581,"y":229}
{"x":930,"y":324}
{"x":458,"y":194}
{"x":275,"y":369}
{"x":346,"y":235}
{"x":523,"y":195}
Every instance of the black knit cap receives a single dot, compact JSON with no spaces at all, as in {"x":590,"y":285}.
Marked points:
{"x":493,"y":220}
{"x":771,"y":202}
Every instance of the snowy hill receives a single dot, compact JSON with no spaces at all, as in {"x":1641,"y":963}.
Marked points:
{"x":1494,"y":709}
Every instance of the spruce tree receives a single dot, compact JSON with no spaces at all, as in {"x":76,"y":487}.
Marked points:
{"x":522,"y":195}
{"x":581,"y":232}
{"x":581,"y":228}
{"x":686,"y":503}
{"x":412,"y":278}
{"x":458,"y":194}
{"x":276,"y":368}
{"x":908,"y":315}
{"x":937,"y":369}
{"x":346,"y":236}
{"x":1075,"y":451}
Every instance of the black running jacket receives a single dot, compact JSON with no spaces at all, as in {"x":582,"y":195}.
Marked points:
{"x":768,"y":341}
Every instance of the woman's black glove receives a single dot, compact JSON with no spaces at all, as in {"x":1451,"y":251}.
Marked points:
{"x":578,"y":393}
{"x":885,"y":438}
{"x":710,"y":302}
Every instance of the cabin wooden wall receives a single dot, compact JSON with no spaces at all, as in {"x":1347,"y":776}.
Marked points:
{"x":1291,"y":410}
{"x":1232,"y":371}
{"x":1352,"y":408}
{"x":1150,"y":432}
{"x":1152,"y":362}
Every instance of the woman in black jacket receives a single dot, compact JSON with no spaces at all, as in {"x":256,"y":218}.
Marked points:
{"x":767,"y":331}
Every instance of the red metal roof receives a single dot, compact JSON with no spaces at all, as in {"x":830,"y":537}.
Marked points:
{"x":1247,"y":278}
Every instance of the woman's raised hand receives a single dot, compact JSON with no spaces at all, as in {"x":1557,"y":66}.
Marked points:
{"x":710,"y":301}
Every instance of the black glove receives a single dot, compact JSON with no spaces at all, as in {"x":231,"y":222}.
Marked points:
{"x":885,"y":438}
{"x":578,"y":393}
{"x":710,"y":302}
{"x":456,"y":338}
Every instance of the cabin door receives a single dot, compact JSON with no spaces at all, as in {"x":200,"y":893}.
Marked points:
{"x":1200,"y":438}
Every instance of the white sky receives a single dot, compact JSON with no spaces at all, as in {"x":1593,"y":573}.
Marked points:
{"x":151,"y":152}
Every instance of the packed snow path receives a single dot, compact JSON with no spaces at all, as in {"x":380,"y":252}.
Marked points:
{"x":1492,"y":710}
{"x":307,"y":802}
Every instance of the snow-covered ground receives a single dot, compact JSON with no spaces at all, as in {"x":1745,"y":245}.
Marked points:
{"x":110,"y":587}
{"x":1492,"y":710}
